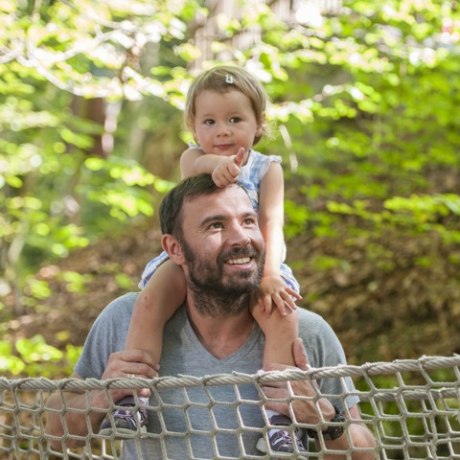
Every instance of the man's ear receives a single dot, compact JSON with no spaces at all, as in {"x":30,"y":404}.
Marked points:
{"x":173,"y":248}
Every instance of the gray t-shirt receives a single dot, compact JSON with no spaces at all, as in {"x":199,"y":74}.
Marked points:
{"x":219,"y":420}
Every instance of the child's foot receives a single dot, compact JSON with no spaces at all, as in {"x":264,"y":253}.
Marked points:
{"x":126,"y":421}
{"x":282,"y":440}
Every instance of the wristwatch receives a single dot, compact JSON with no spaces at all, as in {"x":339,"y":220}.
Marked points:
{"x":332,"y":431}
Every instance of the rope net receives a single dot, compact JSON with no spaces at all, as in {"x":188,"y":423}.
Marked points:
{"x":411,"y":406}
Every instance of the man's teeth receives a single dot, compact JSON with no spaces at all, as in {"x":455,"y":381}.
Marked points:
{"x":243,"y":260}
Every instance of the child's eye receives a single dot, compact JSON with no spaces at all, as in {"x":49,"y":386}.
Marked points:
{"x":235,"y":119}
{"x":209,"y":121}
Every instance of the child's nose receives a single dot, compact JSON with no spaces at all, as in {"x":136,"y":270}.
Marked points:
{"x":223,"y":129}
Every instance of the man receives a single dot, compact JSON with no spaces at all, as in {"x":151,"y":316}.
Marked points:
{"x":213,"y":234}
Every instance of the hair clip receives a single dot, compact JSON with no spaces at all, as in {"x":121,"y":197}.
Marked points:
{"x":229,"y":79}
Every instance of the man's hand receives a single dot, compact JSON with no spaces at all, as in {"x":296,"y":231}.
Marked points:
{"x":274,"y":293}
{"x":358,"y":437}
{"x":127,"y":363}
{"x":228,"y":171}
{"x":305,"y":410}
{"x":130,"y":363}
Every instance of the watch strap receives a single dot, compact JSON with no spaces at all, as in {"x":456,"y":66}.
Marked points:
{"x":333,"y":431}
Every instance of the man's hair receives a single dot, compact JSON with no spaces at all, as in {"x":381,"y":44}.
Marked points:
{"x":223,"y":79}
{"x":172,"y":203}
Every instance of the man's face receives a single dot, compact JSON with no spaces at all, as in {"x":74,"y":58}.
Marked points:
{"x":222,"y":243}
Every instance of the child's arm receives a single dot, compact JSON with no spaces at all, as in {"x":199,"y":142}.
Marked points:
{"x":273,"y":289}
{"x":224,"y":170}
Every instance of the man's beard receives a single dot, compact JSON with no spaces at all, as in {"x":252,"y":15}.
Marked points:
{"x":216,"y":294}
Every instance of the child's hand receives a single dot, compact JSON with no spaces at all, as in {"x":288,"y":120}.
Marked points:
{"x":274,"y":293}
{"x":229,"y":170}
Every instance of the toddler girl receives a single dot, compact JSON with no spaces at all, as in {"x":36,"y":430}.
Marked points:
{"x":225,"y":111}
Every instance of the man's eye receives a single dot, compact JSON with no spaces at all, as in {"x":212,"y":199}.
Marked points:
{"x":216,"y":226}
{"x":250,"y":221}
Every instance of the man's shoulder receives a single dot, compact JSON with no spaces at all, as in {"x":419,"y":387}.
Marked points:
{"x":312,"y":322}
{"x":309,"y":316}
{"x":120,"y":306}
{"x":320,"y":340}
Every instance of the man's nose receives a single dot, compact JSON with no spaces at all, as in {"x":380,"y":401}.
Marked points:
{"x":239,"y":235}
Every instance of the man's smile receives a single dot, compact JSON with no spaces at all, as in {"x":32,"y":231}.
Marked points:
{"x":240,"y":261}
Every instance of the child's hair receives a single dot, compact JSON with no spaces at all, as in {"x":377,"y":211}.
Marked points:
{"x":222,"y":79}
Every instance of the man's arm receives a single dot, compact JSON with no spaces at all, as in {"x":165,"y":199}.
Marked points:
{"x":306,"y":411}
{"x":67,"y":413}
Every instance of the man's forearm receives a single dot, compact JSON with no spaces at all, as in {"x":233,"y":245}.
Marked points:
{"x":362,"y":444}
{"x":357,"y":437}
{"x":69,"y":419}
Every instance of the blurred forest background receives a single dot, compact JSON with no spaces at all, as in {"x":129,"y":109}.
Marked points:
{"x":365,"y":112}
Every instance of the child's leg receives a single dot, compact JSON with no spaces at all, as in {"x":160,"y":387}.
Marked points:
{"x":280,"y":333}
{"x":158,"y":301}
{"x":155,"y":305}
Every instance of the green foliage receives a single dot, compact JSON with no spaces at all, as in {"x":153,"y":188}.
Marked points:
{"x":36,"y":358}
{"x":120,"y":185}
{"x":56,"y":193}
{"x":75,"y":281}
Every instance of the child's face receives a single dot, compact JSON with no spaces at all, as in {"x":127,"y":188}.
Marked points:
{"x":225,"y":122}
